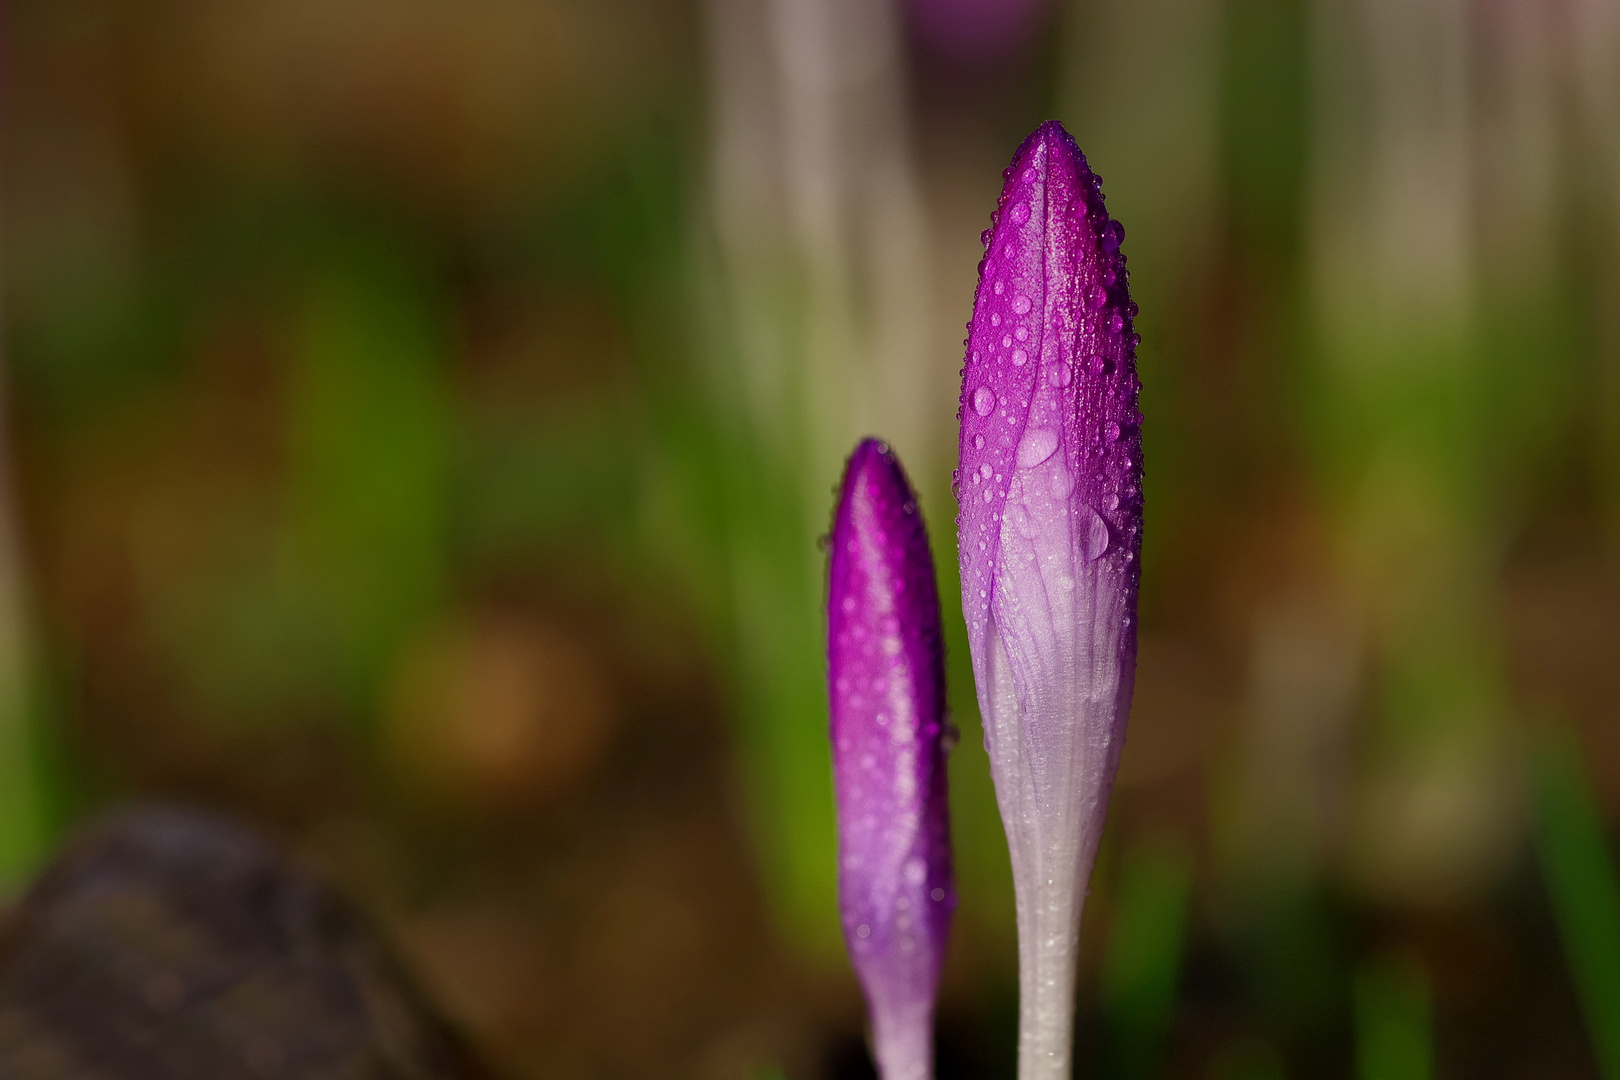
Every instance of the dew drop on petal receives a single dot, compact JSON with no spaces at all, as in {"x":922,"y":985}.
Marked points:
{"x":984,"y":399}
{"x":1020,"y":305}
{"x":1096,"y":296}
{"x":1061,"y":375}
{"x":1019,"y":356}
{"x":1019,"y":213}
{"x":978,"y":442}
{"x":1001,"y":287}
{"x":985,"y":470}
{"x":1037,"y":445}
{"x":1112,"y":431}
{"x":1094,"y":537}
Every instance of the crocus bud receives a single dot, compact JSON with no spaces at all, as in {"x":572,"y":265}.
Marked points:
{"x":1049,"y":532}
{"x":886,"y":682}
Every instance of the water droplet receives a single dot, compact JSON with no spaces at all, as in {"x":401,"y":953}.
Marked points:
{"x":984,"y":238}
{"x":937,"y":895}
{"x":1111,"y":430}
{"x":1131,"y":309}
{"x":1020,"y":305}
{"x":1094,"y":538}
{"x":1006,"y":341}
{"x":1000,"y":287}
{"x":1037,"y":445}
{"x":984,"y":399}
{"x":995,"y":318}
{"x":1007,"y":250}
{"x":1022,"y":333}
{"x":1098,"y":364}
{"x":1096,"y":296}
{"x":985,"y":470}
{"x":1019,"y":357}
{"x":1113,"y":236}
{"x":1019,"y":213}
{"x":863,"y":931}
{"x":1111,"y":501}
{"x":978,"y":442}
{"x":1109,"y":277}
{"x":1029,"y":175}
{"x":1116,"y":323}
{"x":1061,"y":375}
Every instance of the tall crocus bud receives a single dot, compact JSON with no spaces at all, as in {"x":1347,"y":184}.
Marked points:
{"x":1049,"y":532}
{"x":886,"y":678}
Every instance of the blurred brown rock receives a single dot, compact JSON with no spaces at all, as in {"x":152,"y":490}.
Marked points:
{"x":167,"y":944}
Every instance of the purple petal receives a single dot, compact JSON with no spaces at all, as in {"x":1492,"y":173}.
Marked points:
{"x":886,"y":682}
{"x":1049,"y":532}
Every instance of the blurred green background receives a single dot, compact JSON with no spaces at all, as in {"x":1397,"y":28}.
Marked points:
{"x":421,"y":416}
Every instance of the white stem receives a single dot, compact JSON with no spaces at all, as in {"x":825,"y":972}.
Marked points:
{"x":1052,"y":774}
{"x":903,"y":1041}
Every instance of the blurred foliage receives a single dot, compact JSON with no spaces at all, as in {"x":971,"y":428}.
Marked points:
{"x":1585,"y":889}
{"x":422,"y":417}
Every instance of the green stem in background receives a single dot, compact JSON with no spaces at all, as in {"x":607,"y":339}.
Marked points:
{"x":1583,"y":887}
{"x":1394,"y":1039}
{"x":25,"y":783}
{"x":1142,"y":960}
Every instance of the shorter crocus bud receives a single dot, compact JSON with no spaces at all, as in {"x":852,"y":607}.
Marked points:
{"x":886,"y":683}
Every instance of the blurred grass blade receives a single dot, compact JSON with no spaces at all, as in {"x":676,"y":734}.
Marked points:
{"x":1581,"y":880}
{"x":24,"y":783}
{"x":1143,"y":954}
{"x":1393,"y":1027}
{"x":368,"y":438}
